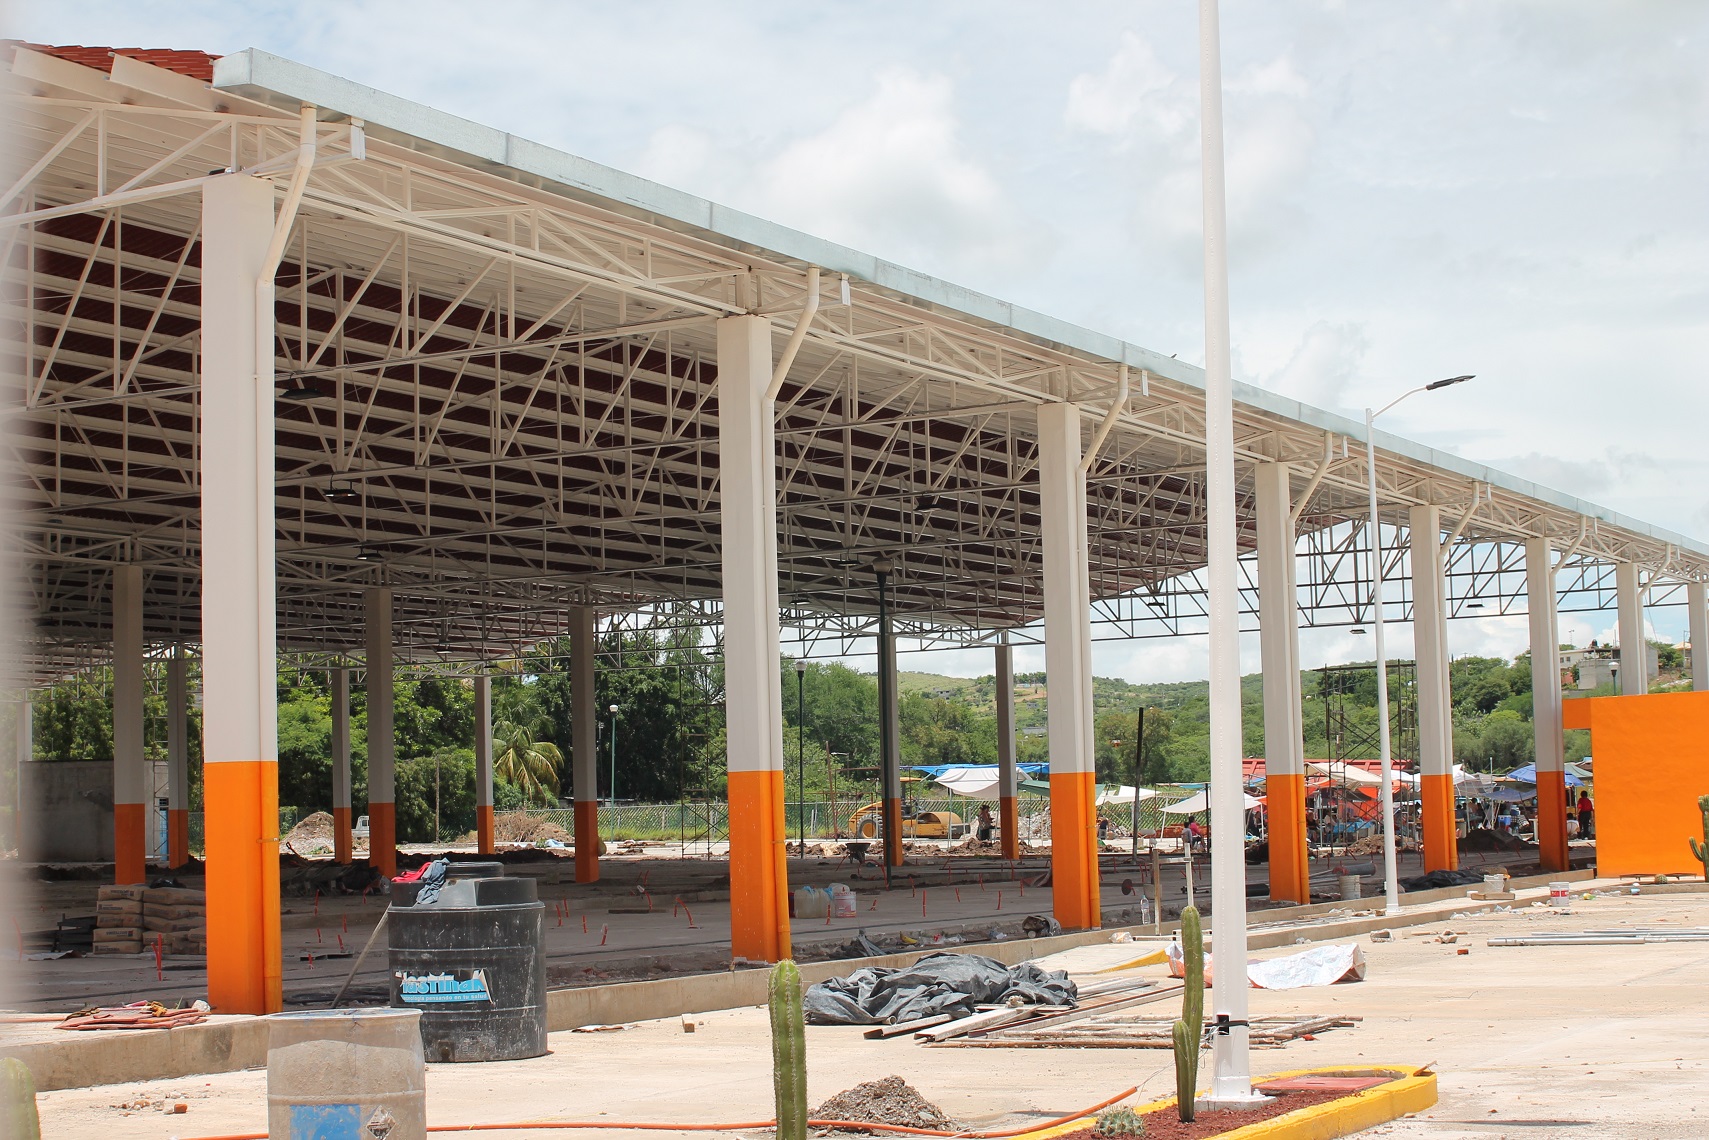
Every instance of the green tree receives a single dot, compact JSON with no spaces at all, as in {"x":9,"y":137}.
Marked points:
{"x":529,"y":765}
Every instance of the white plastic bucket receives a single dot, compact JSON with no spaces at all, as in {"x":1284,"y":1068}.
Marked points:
{"x":1560,"y":894}
{"x":1495,"y":883}
{"x":1350,"y":887}
{"x":346,"y":1072}
{"x":842,"y":901}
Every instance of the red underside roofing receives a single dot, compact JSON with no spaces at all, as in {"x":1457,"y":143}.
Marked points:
{"x":195,"y":64}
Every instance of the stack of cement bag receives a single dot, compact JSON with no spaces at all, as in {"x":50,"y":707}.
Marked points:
{"x":179,"y":916}
{"x":118,"y":920}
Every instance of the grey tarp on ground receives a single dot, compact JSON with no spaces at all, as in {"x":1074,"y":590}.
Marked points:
{"x":939,"y":983}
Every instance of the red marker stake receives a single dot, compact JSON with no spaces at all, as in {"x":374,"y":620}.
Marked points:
{"x":344,"y":919}
{"x":317,"y":936}
{"x":922,"y":904}
{"x":690,"y":914}
{"x":584,"y":924}
{"x":874,"y":905}
{"x":982,"y":882}
{"x":958,"y":894}
{"x":999,"y":900}
{"x":341,"y":943}
{"x":911,"y":891}
{"x":159,"y":946}
{"x":603,"y":928}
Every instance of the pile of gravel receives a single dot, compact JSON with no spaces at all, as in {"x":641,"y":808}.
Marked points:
{"x":889,"y":1101}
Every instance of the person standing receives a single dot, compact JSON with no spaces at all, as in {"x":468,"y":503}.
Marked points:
{"x":1586,"y":816}
{"x":986,"y":825}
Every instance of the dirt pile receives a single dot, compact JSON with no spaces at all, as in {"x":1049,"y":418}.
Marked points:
{"x":890,"y":1101}
{"x":513,"y":827}
{"x":1482,"y":839}
{"x":312,"y":835}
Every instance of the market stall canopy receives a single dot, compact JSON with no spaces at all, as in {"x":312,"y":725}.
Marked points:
{"x":1121,"y":794}
{"x":1192,"y":805}
{"x":1528,"y":775}
{"x":975,"y":781}
{"x":1345,"y":773}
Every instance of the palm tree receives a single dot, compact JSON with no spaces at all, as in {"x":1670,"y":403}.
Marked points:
{"x":528,"y":764}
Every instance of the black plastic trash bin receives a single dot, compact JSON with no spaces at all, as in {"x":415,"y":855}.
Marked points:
{"x":472,"y":961}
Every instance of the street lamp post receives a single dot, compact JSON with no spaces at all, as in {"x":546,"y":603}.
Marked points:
{"x":801,"y":757}
{"x":613,"y":736}
{"x":1391,"y":878}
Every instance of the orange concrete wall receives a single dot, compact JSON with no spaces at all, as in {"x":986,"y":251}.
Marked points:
{"x":1652,"y":762}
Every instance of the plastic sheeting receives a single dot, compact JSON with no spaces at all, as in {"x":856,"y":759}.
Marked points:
{"x":938,"y":983}
{"x":1319,"y":966}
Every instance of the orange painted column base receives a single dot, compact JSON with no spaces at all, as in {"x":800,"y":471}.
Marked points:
{"x":1009,"y":827}
{"x":759,"y":877}
{"x":241,"y":821}
{"x":484,"y":828}
{"x":130,"y":847}
{"x":1552,"y":821}
{"x":383,"y":838}
{"x":1074,"y":850}
{"x":177,"y":837}
{"x":894,"y":856}
{"x":343,"y":844}
{"x":1290,"y":869}
{"x":587,"y":841}
{"x":1441,"y":844}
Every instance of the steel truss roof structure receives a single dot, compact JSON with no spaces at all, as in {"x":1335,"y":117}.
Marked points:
{"x":513,"y":354}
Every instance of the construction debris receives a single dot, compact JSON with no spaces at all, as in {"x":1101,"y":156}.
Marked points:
{"x":890,"y":1101}
{"x":137,"y":1015}
{"x":1128,"y":1031}
{"x":1630,"y":936}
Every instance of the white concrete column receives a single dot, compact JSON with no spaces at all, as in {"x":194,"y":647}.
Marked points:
{"x":130,"y":791}
{"x":1697,"y":603}
{"x":1435,"y":703}
{"x":584,"y":741}
{"x":484,"y":764}
{"x":1068,"y":667}
{"x":1546,"y":704}
{"x":1634,"y":670}
{"x":177,"y":758}
{"x":240,"y":748}
{"x":1008,"y":783}
{"x":343,"y":847}
{"x":1279,"y":652}
{"x":382,"y":743}
{"x":752,"y":685}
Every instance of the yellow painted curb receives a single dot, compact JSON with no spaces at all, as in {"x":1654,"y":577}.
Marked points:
{"x":1412,"y":1090}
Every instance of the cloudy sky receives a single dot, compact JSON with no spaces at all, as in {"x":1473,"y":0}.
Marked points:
{"x":1514,"y":189}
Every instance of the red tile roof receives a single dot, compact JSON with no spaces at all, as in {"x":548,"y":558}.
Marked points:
{"x":195,"y":64}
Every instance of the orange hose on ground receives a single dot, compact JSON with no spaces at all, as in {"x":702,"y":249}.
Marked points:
{"x":738,"y":1126}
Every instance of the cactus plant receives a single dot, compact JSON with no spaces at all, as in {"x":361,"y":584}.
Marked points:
{"x":788,"y":1051}
{"x":18,"y":1119}
{"x":1701,"y":850}
{"x":1190,"y":1030}
{"x":1116,"y":1122}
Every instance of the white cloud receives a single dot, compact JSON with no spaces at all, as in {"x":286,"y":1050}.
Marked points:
{"x":1326,"y":362}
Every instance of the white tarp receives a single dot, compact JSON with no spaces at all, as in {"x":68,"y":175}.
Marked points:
{"x":1345,"y":773}
{"x":1196,"y":803}
{"x":978,"y":783}
{"x":1121,"y":794}
{"x":1319,"y":966}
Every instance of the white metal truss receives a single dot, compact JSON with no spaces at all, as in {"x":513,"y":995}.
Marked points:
{"x":519,"y":412}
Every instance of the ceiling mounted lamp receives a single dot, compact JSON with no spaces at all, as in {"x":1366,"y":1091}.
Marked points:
{"x":926,"y":504}
{"x":1357,"y":631}
{"x":843,"y":561}
{"x":343,"y":492}
{"x":300,"y":391}
{"x":1157,"y":604}
{"x":1474,"y":605}
{"x":366,"y":553}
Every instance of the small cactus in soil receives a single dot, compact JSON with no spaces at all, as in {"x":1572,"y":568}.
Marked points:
{"x":788,"y":1051}
{"x":1190,"y":1030}
{"x":1701,"y":850}
{"x":1116,"y":1122}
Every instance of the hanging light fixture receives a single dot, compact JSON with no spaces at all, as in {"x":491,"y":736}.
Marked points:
{"x":300,"y":391}
{"x":366,"y":553}
{"x":343,"y":492}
